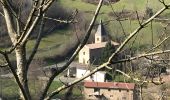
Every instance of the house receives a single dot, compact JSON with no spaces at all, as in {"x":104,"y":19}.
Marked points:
{"x":78,"y":70}
{"x":110,"y":91}
{"x":90,"y":53}
{"x":99,"y":76}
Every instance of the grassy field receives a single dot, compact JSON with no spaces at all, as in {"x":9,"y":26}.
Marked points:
{"x":139,"y":5}
{"x":53,"y":43}
{"x":50,"y":44}
{"x":114,"y":27}
{"x":9,"y":89}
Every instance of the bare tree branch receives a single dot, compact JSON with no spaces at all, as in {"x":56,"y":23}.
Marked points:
{"x":159,"y":82}
{"x":61,"y":21}
{"x":19,"y":39}
{"x":16,"y":77}
{"x":76,"y":52}
{"x":118,"y":18}
{"x":9,"y":21}
{"x":4,"y":65}
{"x":33,"y":24}
{"x":135,"y":32}
{"x":30,"y":18}
{"x":47,"y":4}
{"x":140,"y":56}
{"x":36,"y":44}
{"x":165,"y":39}
{"x":163,"y":2}
{"x":75,"y":82}
{"x":116,"y":52}
{"x":105,"y":65}
{"x":2,"y":14}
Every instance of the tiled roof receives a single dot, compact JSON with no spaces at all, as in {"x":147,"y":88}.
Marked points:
{"x":100,"y":45}
{"x":116,"y":85}
{"x":96,"y":45}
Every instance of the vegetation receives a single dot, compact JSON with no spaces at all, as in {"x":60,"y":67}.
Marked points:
{"x":9,"y":89}
{"x":128,"y":25}
{"x":56,"y":38}
{"x":26,"y":35}
{"x":106,"y":52}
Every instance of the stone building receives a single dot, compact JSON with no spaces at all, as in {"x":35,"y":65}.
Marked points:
{"x":91,"y":53}
{"x":110,"y":91}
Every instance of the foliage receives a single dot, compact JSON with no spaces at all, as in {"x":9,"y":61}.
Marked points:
{"x":20,"y":35}
{"x":106,"y":52}
{"x":122,"y":78}
{"x":149,"y":12}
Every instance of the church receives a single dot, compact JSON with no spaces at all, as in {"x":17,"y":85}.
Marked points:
{"x":91,"y":53}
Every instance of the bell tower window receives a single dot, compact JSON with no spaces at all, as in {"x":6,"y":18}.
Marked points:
{"x":97,"y":39}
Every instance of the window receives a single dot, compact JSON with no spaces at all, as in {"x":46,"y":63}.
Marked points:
{"x":108,"y":89}
{"x":127,"y":90}
{"x":90,"y":95}
{"x":97,"y":39}
{"x":111,"y":95}
{"x":96,"y":89}
{"x":119,"y":90}
{"x":83,"y":53}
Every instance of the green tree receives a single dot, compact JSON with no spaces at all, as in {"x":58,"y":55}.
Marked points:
{"x":107,"y":52}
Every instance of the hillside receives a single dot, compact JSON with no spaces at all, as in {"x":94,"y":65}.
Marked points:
{"x":52,"y":53}
{"x":54,"y":44}
{"x":125,"y":9}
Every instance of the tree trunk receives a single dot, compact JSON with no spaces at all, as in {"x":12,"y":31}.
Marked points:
{"x":21,"y":70}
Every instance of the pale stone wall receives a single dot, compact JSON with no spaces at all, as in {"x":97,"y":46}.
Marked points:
{"x":100,"y":39}
{"x":84,"y":55}
{"x":89,"y":56}
{"x":110,"y":94}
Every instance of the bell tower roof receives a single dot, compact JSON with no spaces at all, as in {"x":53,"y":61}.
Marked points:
{"x":101,"y":30}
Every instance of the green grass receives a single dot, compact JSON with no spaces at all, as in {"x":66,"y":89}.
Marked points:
{"x":57,"y":38}
{"x":114,"y":27}
{"x":52,"y":44}
{"x":9,"y":89}
{"x":139,"y":5}
{"x":76,"y":89}
{"x":122,"y":78}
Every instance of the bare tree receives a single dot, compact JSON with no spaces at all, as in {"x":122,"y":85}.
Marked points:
{"x":20,"y":32}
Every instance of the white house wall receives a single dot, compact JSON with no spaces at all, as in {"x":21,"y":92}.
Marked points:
{"x":81,"y":72}
{"x":99,"y":77}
